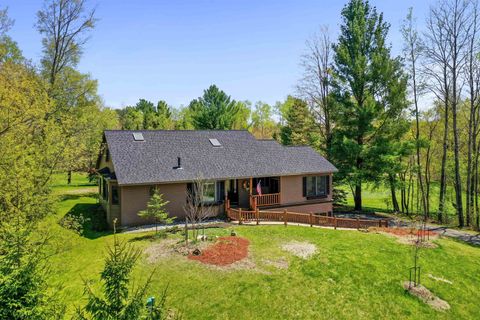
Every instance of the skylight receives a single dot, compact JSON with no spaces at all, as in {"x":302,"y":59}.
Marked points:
{"x":138,"y":136}
{"x":215,"y":142}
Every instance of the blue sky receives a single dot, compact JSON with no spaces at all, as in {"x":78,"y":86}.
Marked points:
{"x":173,"y":50}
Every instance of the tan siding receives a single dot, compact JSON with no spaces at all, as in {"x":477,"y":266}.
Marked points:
{"x":291,"y":189}
{"x":135,"y":198}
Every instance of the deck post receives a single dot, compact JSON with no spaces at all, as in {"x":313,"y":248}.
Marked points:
{"x":311,"y":219}
{"x":257,"y":215}
{"x":239,"y":215}
{"x":285,"y":217}
{"x":251,"y":186}
{"x":335,"y":222}
{"x":227,"y":207}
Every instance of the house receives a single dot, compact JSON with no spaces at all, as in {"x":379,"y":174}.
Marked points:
{"x":234,"y":163}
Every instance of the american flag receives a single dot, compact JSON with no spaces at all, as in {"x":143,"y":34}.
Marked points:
{"x":259,"y":188}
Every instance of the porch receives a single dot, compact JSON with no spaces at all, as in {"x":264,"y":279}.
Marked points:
{"x":243,"y":193}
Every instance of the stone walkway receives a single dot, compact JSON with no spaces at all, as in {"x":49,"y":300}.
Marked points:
{"x":473,"y":239}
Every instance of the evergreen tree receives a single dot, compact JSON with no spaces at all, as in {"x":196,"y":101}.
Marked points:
{"x":215,"y":110}
{"x":118,"y":301}
{"x":299,"y":123}
{"x":370,"y":89}
{"x":156,"y":210}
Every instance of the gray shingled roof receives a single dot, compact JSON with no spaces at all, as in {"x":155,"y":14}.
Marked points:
{"x":241,"y":155}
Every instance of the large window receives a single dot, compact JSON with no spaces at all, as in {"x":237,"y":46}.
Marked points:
{"x":213,"y":192}
{"x":208,"y":195}
{"x":316,"y":186}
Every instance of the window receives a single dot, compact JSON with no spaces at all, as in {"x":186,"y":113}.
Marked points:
{"x":209,"y":192}
{"x":114,"y":195}
{"x":315,"y":186}
{"x":104,"y":189}
{"x":213,"y":192}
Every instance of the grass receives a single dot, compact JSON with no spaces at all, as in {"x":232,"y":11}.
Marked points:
{"x":354,"y":275}
{"x":378,"y":198}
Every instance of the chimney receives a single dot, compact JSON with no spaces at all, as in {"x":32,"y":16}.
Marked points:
{"x":179,"y":163}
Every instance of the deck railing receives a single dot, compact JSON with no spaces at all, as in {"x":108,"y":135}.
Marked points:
{"x":265,"y":200}
{"x":305,"y":218}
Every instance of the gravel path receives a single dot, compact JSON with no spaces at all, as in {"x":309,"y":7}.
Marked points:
{"x":151,"y":227}
{"x":473,"y":239}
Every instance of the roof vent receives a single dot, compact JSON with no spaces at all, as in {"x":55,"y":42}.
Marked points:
{"x":179,"y":164}
{"x":138,"y":136}
{"x":215,"y":142}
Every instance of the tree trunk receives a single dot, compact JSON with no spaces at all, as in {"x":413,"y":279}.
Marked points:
{"x":443,"y":177}
{"x":69,"y":177}
{"x":358,"y":196}
{"x":394,"y":196}
{"x":458,"y":179}
{"x":417,"y":135}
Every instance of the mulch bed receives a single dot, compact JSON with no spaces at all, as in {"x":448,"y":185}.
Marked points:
{"x":406,"y":232}
{"x":225,"y":251}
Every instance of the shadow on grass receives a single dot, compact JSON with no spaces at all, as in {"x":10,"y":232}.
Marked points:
{"x":86,"y":219}
{"x":77,"y":196}
{"x":366,"y":210}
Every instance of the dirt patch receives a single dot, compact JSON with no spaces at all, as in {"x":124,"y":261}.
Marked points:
{"x":426,"y":296}
{"x":280,"y":263}
{"x":404,"y":232}
{"x":86,"y":190}
{"x":413,"y":241}
{"x":302,"y":250}
{"x":409,"y":236}
{"x":225,"y":251}
{"x":164,"y":249}
{"x":439,"y":279}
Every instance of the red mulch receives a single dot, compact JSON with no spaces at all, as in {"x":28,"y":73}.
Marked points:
{"x":225,"y":251}
{"x":407,"y":232}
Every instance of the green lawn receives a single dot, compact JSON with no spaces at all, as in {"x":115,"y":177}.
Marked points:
{"x":354,"y":275}
{"x":378,"y":198}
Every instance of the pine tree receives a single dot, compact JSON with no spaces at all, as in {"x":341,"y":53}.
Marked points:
{"x":117,"y":301}
{"x":299,"y":124}
{"x":156,"y":210}
{"x":370,"y":88}
{"x":215,"y":110}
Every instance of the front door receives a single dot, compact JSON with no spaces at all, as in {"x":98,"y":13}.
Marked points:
{"x":233,"y":192}
{"x":244,"y":193}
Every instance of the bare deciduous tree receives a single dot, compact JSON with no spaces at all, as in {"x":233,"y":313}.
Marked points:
{"x":472,"y":74}
{"x":64,"y":24}
{"x":314,"y":86}
{"x":412,"y":50}
{"x":5,"y":21}
{"x":196,"y":210}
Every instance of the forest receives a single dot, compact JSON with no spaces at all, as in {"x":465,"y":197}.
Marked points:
{"x":407,"y":123}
